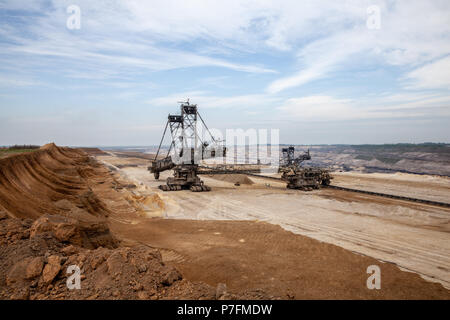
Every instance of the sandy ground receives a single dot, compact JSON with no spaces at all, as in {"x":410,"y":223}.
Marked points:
{"x":426,"y":187}
{"x":260,"y":256}
{"x":413,"y":236}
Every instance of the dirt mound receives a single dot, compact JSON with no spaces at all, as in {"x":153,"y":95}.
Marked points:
{"x":93,"y":151}
{"x":232,"y":178}
{"x":34,"y":264}
{"x":31,"y":184}
{"x":146,"y":204}
{"x":55,"y":186}
{"x":78,"y":232}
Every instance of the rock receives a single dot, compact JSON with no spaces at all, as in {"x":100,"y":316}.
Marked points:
{"x":227,"y":296}
{"x":125,"y":252}
{"x":290,"y":296}
{"x":70,"y":250}
{"x":151,"y":291}
{"x":96,"y":261}
{"x":54,"y":260}
{"x":115,"y":263}
{"x":89,"y":234}
{"x":65,"y":231}
{"x":34,"y":268}
{"x":63,"y":228}
{"x":142,"y":295}
{"x":93,"y":297}
{"x":138,"y":287}
{"x":3,"y":215}
{"x":41,"y":225}
{"x":221,"y":290}
{"x":22,"y":294}
{"x":170,"y":277}
{"x":142,"y":267}
{"x":51,"y":269}
{"x":17,"y":272}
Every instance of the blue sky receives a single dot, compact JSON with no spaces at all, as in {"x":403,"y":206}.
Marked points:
{"x":312,"y":69}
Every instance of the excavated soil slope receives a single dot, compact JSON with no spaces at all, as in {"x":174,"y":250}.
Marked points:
{"x":32,"y":184}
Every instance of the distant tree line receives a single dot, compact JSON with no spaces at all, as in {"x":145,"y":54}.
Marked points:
{"x":25,"y":146}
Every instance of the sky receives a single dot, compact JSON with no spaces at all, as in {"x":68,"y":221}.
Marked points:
{"x":107,"y":73}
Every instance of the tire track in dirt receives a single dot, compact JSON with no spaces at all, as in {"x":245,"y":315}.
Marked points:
{"x":418,"y":253}
{"x":411,"y":247}
{"x":414,"y":257}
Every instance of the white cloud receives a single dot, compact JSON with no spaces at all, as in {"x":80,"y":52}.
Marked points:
{"x":430,"y":76}
{"x":205,"y":100}
{"x":297,"y":79}
{"x":155,"y":35}
{"x":14,"y":81}
{"x":321,"y":108}
{"x":407,"y":37}
{"x":119,"y":37}
{"x":317,"y":107}
{"x":327,"y":108}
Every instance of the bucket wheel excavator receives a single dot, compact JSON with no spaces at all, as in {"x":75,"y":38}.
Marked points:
{"x":298,"y":177}
{"x":191,"y":142}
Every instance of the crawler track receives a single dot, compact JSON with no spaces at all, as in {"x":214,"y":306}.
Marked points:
{"x":429,"y":202}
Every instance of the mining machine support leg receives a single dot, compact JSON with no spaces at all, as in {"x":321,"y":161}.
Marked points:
{"x":185,"y":177}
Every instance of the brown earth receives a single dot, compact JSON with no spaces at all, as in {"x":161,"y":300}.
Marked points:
{"x":60,"y":207}
{"x":428,"y":187}
{"x":33,"y":266}
{"x":233,"y":178}
{"x":247,"y":254}
{"x":93,"y":151}
{"x":51,"y":180}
